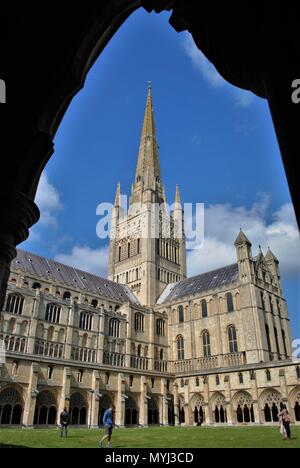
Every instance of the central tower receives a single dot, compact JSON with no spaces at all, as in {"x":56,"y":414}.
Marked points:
{"x":147,"y":245}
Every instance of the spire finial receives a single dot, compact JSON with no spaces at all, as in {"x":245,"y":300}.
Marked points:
{"x":149,"y":85}
{"x":118,"y":196}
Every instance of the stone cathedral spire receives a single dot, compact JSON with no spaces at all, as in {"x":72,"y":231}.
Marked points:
{"x":146,"y":252}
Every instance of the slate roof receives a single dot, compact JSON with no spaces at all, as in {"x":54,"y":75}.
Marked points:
{"x":43,"y":268}
{"x":199,"y":284}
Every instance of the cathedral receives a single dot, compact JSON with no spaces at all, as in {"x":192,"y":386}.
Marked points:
{"x":160,"y":348}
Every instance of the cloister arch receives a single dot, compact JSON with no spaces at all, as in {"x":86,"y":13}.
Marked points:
{"x":153,"y":412}
{"x":45,"y":409}
{"x":198,"y":408}
{"x":78,"y":409}
{"x":218,"y":405}
{"x":131,"y":411}
{"x":270,"y":403}
{"x":243,"y":407}
{"x":11,"y":406}
{"x":295,"y":403}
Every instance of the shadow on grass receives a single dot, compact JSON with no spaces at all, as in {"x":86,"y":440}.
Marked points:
{"x":11,"y":446}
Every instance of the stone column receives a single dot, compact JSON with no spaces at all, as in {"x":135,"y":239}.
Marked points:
{"x":101,"y":336}
{"x":229,"y":410}
{"x":32,"y":393}
{"x":284,"y":389}
{"x":120,"y":402}
{"x":143,"y":411}
{"x":255,"y":400}
{"x":33,"y":322}
{"x":208,"y":413}
{"x":18,"y":214}
{"x":65,"y":392}
{"x":70,"y":328}
{"x":187,"y":408}
{"x":176,"y":404}
{"x":163,"y":413}
{"x":151,"y":340}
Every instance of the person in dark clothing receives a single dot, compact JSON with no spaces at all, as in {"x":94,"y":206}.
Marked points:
{"x":108,"y":426}
{"x":64,"y":422}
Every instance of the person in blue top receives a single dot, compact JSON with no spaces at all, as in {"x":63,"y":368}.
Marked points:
{"x":108,"y":426}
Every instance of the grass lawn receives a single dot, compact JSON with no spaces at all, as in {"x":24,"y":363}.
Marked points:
{"x":173,"y":437}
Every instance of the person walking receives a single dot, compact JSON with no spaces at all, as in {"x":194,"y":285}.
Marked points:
{"x":64,"y":422}
{"x":108,"y":426}
{"x":286,"y":420}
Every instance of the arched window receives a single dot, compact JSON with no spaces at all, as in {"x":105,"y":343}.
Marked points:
{"x":67,"y":296}
{"x":138,"y":246}
{"x":204,"y":309}
{"x":180,"y":314}
{"x":114,"y":328}
{"x":284,"y":343}
{"x":120,"y":254}
{"x":11,"y":407}
{"x":36,"y":286}
{"x":139,"y":322}
{"x":268,"y":376}
{"x":53,"y":313}
{"x":277,"y":343}
{"x":232,"y":339}
{"x":86,"y":321}
{"x":262,"y":298}
{"x":14,"y":304}
{"x":180,"y":348}
{"x":94,"y":303}
{"x":129,"y":250}
{"x":230,"y":306}
{"x":160,"y":327}
{"x":241,"y":378}
{"x":206,"y":344}
{"x":269,"y":342}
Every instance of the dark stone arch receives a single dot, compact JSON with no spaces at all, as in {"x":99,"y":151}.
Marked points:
{"x":131,"y":412}
{"x":78,"y":409}
{"x":11,"y":407}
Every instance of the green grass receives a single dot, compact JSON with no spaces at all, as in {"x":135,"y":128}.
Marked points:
{"x":175,"y":437}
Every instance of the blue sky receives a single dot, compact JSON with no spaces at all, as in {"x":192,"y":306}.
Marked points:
{"x":216,"y":141}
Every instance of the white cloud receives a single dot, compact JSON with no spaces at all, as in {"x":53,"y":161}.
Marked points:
{"x":87,"y":259}
{"x":222,"y":224}
{"x":48,"y":200}
{"x":242,"y":98}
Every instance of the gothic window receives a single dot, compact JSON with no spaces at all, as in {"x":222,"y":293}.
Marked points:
{"x":67,"y":296}
{"x":78,"y":409}
{"x":157,"y":246}
{"x":120,"y":254}
{"x":268,"y":376}
{"x":160,"y":327}
{"x":94,"y":303}
{"x":241,"y":378}
{"x":53,"y":313}
{"x":277,"y":342}
{"x":180,"y":348}
{"x":45,"y":410}
{"x":114,"y":328}
{"x":284,"y":343}
{"x":36,"y":286}
{"x":217,"y":380}
{"x":50,"y":372}
{"x":139,"y":322}
{"x":197,"y":382}
{"x":131,"y":380}
{"x":262,"y":297}
{"x":204,"y":309}
{"x":11,"y":407}
{"x":86,"y":321}
{"x":161,"y":355}
{"x":271,"y":305}
{"x":14,"y":304}
{"x":129,"y":250}
{"x":230,"y":306}
{"x":269,"y":342}
{"x":138,"y":246}
{"x":127,"y":277}
{"x":206,"y":344}
{"x":232,"y":339}
{"x":180,"y":314}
